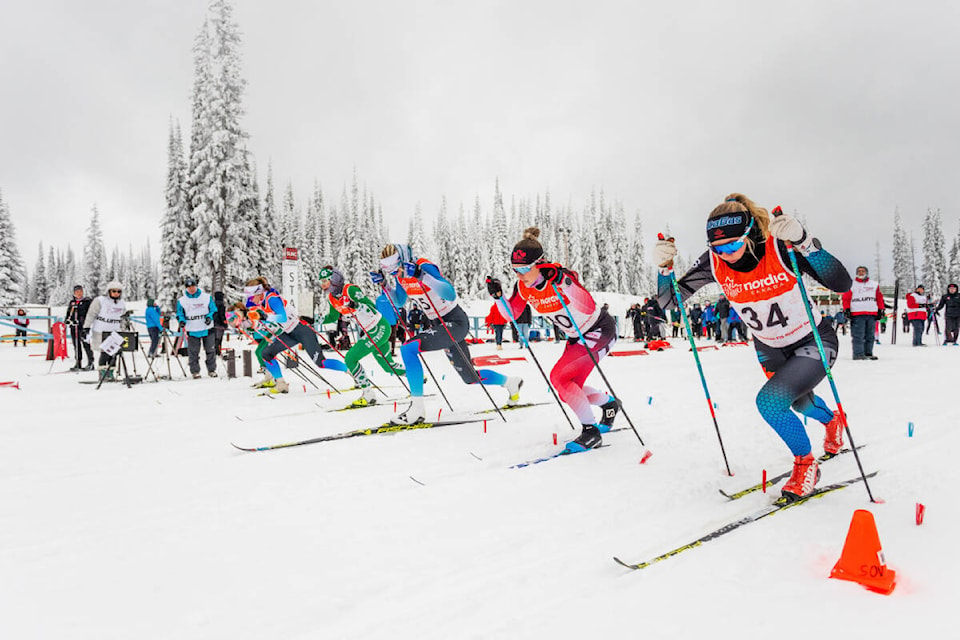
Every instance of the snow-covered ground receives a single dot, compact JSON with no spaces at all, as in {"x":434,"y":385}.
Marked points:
{"x":126,"y":513}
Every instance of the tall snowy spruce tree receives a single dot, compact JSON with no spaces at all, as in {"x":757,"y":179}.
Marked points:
{"x":176,"y":245}
{"x":40,"y":289}
{"x":902,"y":269}
{"x":13,"y":274}
{"x":95,"y":268}
{"x":218,"y":179}
{"x":934,"y":258}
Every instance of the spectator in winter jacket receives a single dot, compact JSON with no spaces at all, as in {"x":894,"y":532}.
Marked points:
{"x":195,"y":311}
{"x":219,"y":319}
{"x":497,"y":322}
{"x":841,"y":320}
{"x":951,"y":301}
{"x":709,"y":318}
{"x":653,"y":318}
{"x":863,"y":304}
{"x":696,"y":320}
{"x":523,"y":324}
{"x":636,"y":317}
{"x":735,"y":326}
{"x":76,"y":314}
{"x":102,"y":320}
{"x":154,"y":326}
{"x":722,"y":309}
{"x":675,"y":322}
{"x":917,"y":313}
{"x":22,"y":322}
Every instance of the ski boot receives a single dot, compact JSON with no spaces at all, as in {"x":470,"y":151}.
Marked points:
{"x":833,"y":440}
{"x":196,"y":376}
{"x":280,"y":386}
{"x":414,"y":414}
{"x":609,"y":411}
{"x":266,"y":383}
{"x":368,"y":398}
{"x":212,"y":374}
{"x":589,"y":438}
{"x":513,"y":385}
{"x":806,"y":474}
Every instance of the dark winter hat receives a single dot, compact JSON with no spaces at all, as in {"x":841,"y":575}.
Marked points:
{"x":952,"y":285}
{"x":78,"y":287}
{"x":728,"y":226}
{"x":150,"y":302}
{"x":920,"y":286}
{"x":864,"y":268}
{"x":525,"y":255}
{"x":189,"y":282}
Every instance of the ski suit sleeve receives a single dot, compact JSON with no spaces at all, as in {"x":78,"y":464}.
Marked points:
{"x":277,"y":308}
{"x":942,"y":303}
{"x":516,"y":302}
{"x":432,"y":278}
{"x":181,"y":315}
{"x":845,"y":300}
{"x":580,"y":298}
{"x":212,"y":308}
{"x":881,"y":305}
{"x":699,"y":275}
{"x":386,"y":310}
{"x":332,"y":313}
{"x":400,"y":296}
{"x":820,"y":265}
{"x":92,"y":312}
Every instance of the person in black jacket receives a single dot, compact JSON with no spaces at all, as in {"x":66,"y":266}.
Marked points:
{"x":76,"y":314}
{"x":633,"y":313}
{"x":723,"y":318}
{"x":950,"y":300}
{"x":696,"y":320}
{"x":219,"y":320}
{"x":652,"y":318}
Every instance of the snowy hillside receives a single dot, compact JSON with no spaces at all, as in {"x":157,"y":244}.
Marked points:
{"x":128,"y":514}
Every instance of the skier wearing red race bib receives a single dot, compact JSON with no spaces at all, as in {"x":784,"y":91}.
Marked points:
{"x":538,"y":283}
{"x":420,"y":281}
{"x":748,"y":258}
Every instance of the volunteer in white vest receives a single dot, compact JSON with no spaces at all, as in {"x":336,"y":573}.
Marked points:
{"x":863,"y":304}
{"x":103,"y":318}
{"x":195,"y":310}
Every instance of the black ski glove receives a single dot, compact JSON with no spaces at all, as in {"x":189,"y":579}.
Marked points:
{"x":494,"y":288}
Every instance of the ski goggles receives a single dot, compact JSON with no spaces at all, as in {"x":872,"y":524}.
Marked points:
{"x":523,"y":268}
{"x":252,"y":290}
{"x":390,"y":264}
{"x":732,"y":247}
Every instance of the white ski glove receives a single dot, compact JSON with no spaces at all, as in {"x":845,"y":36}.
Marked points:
{"x":664,"y":252}
{"x":787,"y":228}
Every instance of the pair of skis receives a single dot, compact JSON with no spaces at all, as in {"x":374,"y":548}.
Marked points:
{"x":770,"y":509}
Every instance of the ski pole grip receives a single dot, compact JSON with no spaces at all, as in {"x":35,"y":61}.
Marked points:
{"x":777,"y":211}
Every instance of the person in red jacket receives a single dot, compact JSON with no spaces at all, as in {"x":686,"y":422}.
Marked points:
{"x":863,"y":304}
{"x":496,"y":320}
{"x":917,"y":313}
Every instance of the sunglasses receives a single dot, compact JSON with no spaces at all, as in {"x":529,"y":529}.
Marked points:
{"x":732,"y":247}
{"x":114,"y":291}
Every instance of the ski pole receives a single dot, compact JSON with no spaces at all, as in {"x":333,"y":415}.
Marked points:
{"x":420,"y":355}
{"x":696,"y":357}
{"x":296,"y":370}
{"x":464,"y":356}
{"x":777,"y":211}
{"x":526,"y":343}
{"x":306,"y":366}
{"x":647,"y":453}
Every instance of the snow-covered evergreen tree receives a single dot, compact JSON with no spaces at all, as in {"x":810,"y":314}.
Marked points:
{"x":40,"y":287}
{"x":176,"y":246}
{"x":443,"y":256}
{"x":934,"y":258}
{"x":589,"y":258}
{"x":499,"y":245}
{"x":901,"y":255}
{"x":13,"y":274}
{"x":476,"y":249}
{"x":218,"y":159}
{"x":271,"y":250}
{"x":640,"y":278}
{"x":416,"y":235}
{"x":953,"y":262}
{"x":95,"y":266}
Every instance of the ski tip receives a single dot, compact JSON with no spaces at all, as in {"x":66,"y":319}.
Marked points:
{"x":646,"y":456}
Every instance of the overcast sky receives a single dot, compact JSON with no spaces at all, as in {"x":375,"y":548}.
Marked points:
{"x":842,"y":110}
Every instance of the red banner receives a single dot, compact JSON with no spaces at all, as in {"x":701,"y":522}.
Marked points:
{"x":59,"y":331}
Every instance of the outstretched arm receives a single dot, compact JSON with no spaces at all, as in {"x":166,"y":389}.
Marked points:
{"x":697,"y":277}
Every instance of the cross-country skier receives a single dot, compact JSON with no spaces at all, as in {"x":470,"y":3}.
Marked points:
{"x":536,"y":279}
{"x":421,"y":281}
{"x":374,"y":333}
{"x":748,"y":257}
{"x":264,"y":303}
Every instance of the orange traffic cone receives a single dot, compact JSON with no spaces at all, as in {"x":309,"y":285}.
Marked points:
{"x":862,"y":558}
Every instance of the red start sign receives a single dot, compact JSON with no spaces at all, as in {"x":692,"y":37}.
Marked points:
{"x":290,"y":253}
